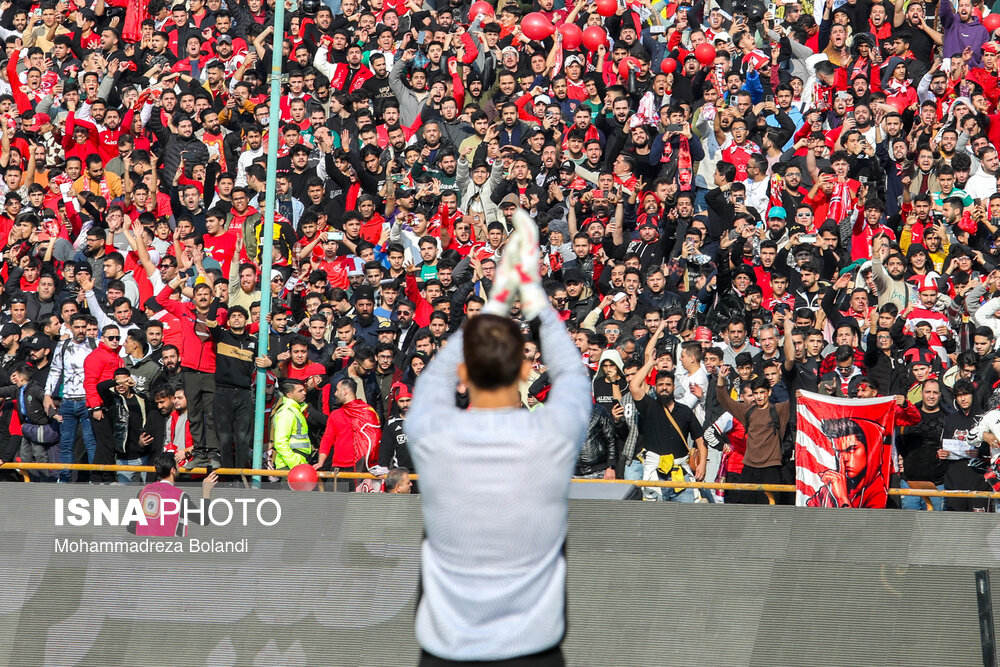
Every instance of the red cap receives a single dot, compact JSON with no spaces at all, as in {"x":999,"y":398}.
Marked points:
{"x":400,"y":390}
{"x":703,"y":335}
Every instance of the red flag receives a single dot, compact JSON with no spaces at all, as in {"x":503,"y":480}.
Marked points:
{"x":841,"y":456}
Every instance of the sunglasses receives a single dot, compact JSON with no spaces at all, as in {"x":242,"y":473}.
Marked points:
{"x":112,"y":337}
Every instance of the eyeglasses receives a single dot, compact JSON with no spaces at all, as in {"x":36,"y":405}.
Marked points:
{"x":112,"y":338}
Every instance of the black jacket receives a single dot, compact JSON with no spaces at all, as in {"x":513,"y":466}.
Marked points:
{"x":600,"y":448}
{"x":393,"y":450}
{"x":128,"y":420}
{"x":35,"y":395}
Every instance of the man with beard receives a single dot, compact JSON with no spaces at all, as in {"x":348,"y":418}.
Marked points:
{"x":411,"y":99}
{"x":983,"y":183}
{"x":518,"y":182}
{"x":366,"y":326}
{"x":360,"y":371}
{"x":377,"y":85}
{"x":962,"y":30}
{"x":666,"y":426}
{"x":253,"y":149}
{"x":455,"y":129}
{"x":170,"y":359}
{"x":347,"y":76}
{"x":91,"y":256}
{"x":181,"y":146}
{"x":107,"y":125}
{"x":213,"y":135}
{"x":67,"y":374}
{"x":197,"y":319}
{"x":888,"y":272}
{"x":234,"y":368}
{"x":393,"y":452}
{"x":920,"y":444}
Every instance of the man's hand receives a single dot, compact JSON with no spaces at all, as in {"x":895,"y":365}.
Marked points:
{"x":609,"y":473}
{"x":97,"y":414}
{"x":48,"y":404}
{"x":699,"y":472}
{"x":209,"y":483}
{"x":145,"y":439}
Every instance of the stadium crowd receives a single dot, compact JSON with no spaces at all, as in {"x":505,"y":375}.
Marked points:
{"x":736,"y":202}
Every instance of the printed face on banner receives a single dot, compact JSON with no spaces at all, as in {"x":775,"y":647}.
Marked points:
{"x":842,"y":459}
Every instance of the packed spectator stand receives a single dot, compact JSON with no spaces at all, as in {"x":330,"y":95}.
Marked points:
{"x":737,"y":202}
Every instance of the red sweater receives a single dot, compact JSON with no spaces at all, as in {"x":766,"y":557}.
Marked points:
{"x":100,"y":365}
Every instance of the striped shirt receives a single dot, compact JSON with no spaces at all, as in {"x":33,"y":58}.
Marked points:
{"x":494,"y":487}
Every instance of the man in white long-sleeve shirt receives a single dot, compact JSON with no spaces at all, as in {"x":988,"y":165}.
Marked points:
{"x":493,"y":571}
{"x":66,"y":381}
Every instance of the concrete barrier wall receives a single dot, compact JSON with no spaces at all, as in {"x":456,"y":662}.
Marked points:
{"x":334,"y":582}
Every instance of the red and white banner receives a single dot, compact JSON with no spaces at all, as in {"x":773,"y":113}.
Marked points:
{"x":842,"y":458}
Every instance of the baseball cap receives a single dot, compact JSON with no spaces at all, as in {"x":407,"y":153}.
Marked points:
{"x":10,"y":329}
{"x":544,"y":99}
{"x":568,"y":165}
{"x":703,"y":335}
{"x":388,"y":326}
{"x":38,"y":120}
{"x":36,"y":342}
{"x":510,"y":199}
{"x":224,"y":38}
{"x":572,"y":276}
{"x":777,"y":212}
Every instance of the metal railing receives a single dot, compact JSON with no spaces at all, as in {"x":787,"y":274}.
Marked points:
{"x":768,"y":490}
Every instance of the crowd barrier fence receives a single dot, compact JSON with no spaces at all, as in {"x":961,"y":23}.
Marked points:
{"x":245,"y":473}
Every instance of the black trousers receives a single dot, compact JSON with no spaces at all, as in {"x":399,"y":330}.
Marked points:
{"x":551,"y":658}
{"x":234,"y":422}
{"x":199,"y":388}
{"x":769,"y":475}
{"x":104,"y":453}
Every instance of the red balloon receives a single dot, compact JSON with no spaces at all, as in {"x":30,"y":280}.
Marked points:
{"x":572,"y":36}
{"x":991,"y":22}
{"x":705,"y":53}
{"x":669,"y":65}
{"x":536,"y":26}
{"x":607,"y":7}
{"x":302,"y":477}
{"x":593,"y":37}
{"x":480,"y":7}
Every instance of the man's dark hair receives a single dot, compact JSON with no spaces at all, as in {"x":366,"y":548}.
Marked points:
{"x":394,"y":478}
{"x":494,"y":351}
{"x":164,"y":462}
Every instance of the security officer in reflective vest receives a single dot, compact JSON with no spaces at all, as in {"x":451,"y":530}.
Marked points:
{"x":290,"y":435}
